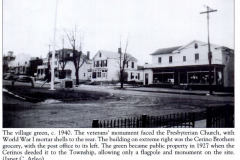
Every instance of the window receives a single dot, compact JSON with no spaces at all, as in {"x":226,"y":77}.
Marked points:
{"x":99,"y":74}
{"x":170,"y":59}
{"x":197,"y":57}
{"x":184,"y":58}
{"x":159,"y":59}
{"x":132,"y":64}
{"x":196,"y":46}
{"x":127,"y":64}
{"x":138,"y":76}
{"x":97,"y":65}
{"x":94,"y":65}
{"x":100,"y":54}
{"x":132,"y":75}
{"x":227,"y":59}
{"x":84,"y":74}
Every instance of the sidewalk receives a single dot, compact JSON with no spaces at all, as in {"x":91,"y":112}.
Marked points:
{"x":177,"y":91}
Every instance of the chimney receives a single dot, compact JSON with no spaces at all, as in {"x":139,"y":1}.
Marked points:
{"x":88,"y":55}
{"x":119,"y":50}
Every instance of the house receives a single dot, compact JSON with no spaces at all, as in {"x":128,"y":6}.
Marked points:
{"x":64,"y":66}
{"x":189,"y":65}
{"x":20,"y":65}
{"x":106,"y":67}
{"x":6,"y":60}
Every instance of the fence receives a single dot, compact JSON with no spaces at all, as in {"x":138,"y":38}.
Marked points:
{"x":220,"y":117}
{"x":181,"y":120}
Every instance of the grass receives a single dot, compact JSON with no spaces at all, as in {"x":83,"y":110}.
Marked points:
{"x":41,"y":94}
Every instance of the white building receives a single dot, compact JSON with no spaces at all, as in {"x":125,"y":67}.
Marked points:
{"x":21,"y":64}
{"x":69,"y":70}
{"x":106,"y":67}
{"x":189,"y":65}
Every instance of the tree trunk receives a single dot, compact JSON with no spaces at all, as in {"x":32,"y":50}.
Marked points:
{"x":77,"y":77}
{"x":121,"y":78}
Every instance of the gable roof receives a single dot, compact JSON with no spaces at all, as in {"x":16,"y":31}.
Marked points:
{"x":114,"y":55}
{"x":165,"y":50}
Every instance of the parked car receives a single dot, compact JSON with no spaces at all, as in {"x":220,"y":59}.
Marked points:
{"x":23,"y":78}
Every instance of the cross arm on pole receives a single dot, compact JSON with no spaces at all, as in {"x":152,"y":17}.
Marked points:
{"x":208,"y":11}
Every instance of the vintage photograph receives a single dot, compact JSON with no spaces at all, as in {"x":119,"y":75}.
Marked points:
{"x":118,"y":64}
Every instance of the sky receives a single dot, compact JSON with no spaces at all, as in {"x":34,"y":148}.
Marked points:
{"x":28,"y":25}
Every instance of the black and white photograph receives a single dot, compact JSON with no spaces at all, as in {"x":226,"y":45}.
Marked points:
{"x":118,"y":64}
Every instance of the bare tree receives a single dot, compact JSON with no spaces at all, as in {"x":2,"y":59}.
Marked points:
{"x":78,"y":57}
{"x":62,"y":61}
{"x":124,"y":59}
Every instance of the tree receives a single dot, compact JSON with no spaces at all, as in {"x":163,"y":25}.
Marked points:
{"x":62,"y":61}
{"x":78,"y":58}
{"x":124,"y":59}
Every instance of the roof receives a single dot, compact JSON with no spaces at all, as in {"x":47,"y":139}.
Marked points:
{"x":115,"y":55}
{"x":165,"y":50}
{"x":139,"y":67}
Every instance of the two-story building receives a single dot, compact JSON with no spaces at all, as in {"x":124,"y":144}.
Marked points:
{"x":64,"y":66}
{"x":189,"y":65}
{"x":106,"y":67}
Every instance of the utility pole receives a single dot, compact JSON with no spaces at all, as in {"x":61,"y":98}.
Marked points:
{"x":209,"y":10}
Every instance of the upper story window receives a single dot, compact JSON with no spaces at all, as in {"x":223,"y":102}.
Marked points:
{"x":127,"y":64}
{"x":184,"y":58}
{"x":132,"y":64}
{"x":103,"y":63}
{"x":100,"y":54}
{"x":196,"y":46}
{"x":159,"y":59}
{"x":97,"y":63}
{"x":196,"y":56}
{"x":170,"y":59}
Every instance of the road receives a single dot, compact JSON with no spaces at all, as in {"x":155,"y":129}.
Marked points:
{"x":126,"y":104}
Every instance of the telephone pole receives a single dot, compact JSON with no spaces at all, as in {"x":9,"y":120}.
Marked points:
{"x":209,"y":10}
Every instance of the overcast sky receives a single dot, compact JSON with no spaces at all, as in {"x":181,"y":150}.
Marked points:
{"x":28,"y":25}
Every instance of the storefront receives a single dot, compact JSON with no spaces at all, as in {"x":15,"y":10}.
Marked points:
{"x":188,"y":75}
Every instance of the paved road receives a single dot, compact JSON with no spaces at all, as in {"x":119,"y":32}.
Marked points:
{"x":19,"y":113}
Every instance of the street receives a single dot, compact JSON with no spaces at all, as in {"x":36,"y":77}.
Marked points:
{"x":18,"y":113}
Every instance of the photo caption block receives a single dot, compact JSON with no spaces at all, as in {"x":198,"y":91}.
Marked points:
{"x":36,"y":144}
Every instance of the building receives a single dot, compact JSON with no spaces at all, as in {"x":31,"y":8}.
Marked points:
{"x":20,"y":65}
{"x":64,"y":66}
{"x":6,"y":60}
{"x":106,"y":67}
{"x":189,"y":65}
